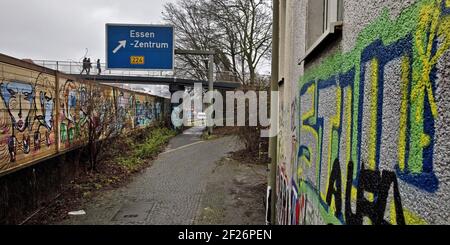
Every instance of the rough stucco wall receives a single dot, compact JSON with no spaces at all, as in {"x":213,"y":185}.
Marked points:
{"x":359,"y":14}
{"x":288,"y":92}
{"x":334,"y":47}
{"x":371,"y":119}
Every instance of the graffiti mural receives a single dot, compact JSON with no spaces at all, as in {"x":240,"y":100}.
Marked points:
{"x":103,"y":100}
{"x":367,"y":131}
{"x":125,"y":102}
{"x":39,"y":119}
{"x":147,"y":110}
{"x":28,"y":113}
{"x":73,"y":113}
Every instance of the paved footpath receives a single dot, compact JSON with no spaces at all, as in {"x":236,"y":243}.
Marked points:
{"x":169,"y":192}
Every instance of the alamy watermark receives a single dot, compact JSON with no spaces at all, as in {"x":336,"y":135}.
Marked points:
{"x":209,"y":107}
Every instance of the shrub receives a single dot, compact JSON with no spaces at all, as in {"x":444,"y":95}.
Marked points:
{"x":152,"y":145}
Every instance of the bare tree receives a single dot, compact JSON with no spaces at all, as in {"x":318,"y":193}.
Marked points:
{"x":239,"y":31}
{"x":103,"y":122}
{"x":247,"y":26}
{"x":194,"y":31}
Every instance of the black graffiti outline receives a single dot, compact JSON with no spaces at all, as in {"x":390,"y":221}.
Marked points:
{"x":376,"y":182}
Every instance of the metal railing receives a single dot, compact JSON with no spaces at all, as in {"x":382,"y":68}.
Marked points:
{"x":75,"y":68}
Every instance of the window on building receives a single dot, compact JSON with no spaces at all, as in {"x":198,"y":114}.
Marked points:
{"x":322,"y":15}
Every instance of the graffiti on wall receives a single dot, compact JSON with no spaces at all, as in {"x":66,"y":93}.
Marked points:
{"x":125,"y":102}
{"x":28,"y":112}
{"x":146,"y":111}
{"x":31,"y":125}
{"x":368,"y":124}
{"x":73,"y":113}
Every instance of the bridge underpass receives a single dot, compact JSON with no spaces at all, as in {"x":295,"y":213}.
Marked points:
{"x":224,"y":81}
{"x":177,"y":79}
{"x":175,"y":84}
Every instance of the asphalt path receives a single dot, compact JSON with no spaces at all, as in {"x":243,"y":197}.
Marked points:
{"x":167,"y":193}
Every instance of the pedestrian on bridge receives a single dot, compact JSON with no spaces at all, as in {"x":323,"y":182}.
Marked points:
{"x":99,"y":67}
{"x":88,"y":66}
{"x":84,"y":65}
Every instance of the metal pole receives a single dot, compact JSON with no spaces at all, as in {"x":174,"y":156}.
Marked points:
{"x":211,"y":84}
{"x":274,"y":87}
{"x":210,"y":69}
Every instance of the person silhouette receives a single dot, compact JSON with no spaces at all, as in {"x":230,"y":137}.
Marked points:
{"x":88,"y":65}
{"x":84,"y":65}
{"x":99,"y":67}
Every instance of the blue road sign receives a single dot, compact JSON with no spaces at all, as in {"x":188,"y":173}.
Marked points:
{"x":139,"y":47}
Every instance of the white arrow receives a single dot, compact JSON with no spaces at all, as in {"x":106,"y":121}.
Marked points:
{"x":122,"y":44}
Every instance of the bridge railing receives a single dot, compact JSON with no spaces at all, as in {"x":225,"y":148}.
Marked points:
{"x":74,"y":68}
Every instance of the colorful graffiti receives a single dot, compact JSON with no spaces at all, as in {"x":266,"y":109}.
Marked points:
{"x":367,"y":124}
{"x":41,"y":116}
{"x":125,"y":102}
{"x":73,"y":113}
{"x":28,"y":107}
{"x":146,"y":111}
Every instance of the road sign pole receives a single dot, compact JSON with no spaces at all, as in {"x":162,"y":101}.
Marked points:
{"x":210,"y":70}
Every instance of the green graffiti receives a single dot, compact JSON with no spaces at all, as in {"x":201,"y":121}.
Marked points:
{"x":418,"y":38}
{"x":63,"y":132}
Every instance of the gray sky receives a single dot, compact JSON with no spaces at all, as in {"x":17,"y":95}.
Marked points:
{"x":63,"y":29}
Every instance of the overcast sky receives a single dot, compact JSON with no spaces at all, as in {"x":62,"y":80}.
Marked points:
{"x":63,"y":29}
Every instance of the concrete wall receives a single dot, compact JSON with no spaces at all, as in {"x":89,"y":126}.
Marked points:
{"x":25,"y":191}
{"x":42,"y":112}
{"x":365,"y":123}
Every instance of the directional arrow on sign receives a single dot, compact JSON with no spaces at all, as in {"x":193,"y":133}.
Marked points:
{"x":122,"y":44}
